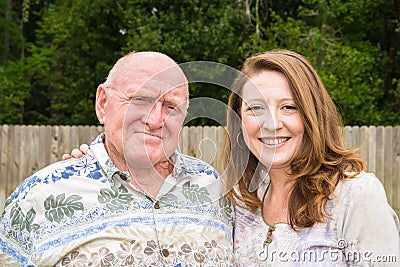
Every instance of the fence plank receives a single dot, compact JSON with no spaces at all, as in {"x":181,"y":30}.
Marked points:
{"x":73,"y":137}
{"x":208,"y":145}
{"x":25,"y":150}
{"x":54,"y":143}
{"x":363,"y":143}
{"x":61,"y":140}
{"x":220,"y":143}
{"x":194,"y":140}
{"x":380,"y":153}
{"x":388,"y":150}
{"x":396,"y":170}
{"x":93,"y":134}
{"x":348,"y":141}
{"x":355,"y":137}
{"x":44,"y":147}
{"x":10,"y":175}
{"x":371,"y":148}
{"x":184,"y":142}
{"x":3,"y":165}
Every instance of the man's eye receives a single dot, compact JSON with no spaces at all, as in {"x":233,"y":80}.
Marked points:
{"x":172,"y":109}
{"x":255,"y":108}
{"x":140,"y":100}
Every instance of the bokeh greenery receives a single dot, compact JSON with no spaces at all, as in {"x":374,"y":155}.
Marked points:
{"x":54,"y":53}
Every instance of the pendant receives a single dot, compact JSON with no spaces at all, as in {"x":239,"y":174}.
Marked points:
{"x":268,"y":240}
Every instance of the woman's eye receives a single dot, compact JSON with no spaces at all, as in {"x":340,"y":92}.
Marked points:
{"x":256,"y":110}
{"x":289,"y":107}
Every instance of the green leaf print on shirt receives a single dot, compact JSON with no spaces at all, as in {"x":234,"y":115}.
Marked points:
{"x":21,"y":222}
{"x":114,"y":198}
{"x":226,"y":206}
{"x":8,"y":202}
{"x":59,"y":207}
{"x":195,"y":193}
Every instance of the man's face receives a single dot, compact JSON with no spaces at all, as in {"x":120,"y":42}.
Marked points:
{"x":153,"y":122}
{"x":145,"y":113}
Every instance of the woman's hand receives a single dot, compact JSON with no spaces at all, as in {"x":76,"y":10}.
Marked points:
{"x":77,"y":153}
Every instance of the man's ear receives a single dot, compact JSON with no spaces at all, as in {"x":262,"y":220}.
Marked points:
{"x":101,"y":103}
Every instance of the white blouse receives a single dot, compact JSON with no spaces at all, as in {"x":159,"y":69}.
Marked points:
{"x":363,"y":230}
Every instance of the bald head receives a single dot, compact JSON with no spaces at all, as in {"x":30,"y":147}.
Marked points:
{"x":145,"y":66}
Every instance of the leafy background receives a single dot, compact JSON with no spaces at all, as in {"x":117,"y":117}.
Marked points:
{"x":54,"y":53}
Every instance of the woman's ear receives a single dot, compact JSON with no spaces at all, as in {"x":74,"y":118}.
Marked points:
{"x":101,"y":103}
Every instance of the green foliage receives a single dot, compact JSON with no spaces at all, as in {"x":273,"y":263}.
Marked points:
{"x":74,"y":37}
{"x":356,"y":90}
{"x":54,"y":54}
{"x":10,"y":34}
{"x":13,"y":94}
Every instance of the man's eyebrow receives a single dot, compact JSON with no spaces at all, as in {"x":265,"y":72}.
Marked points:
{"x":145,"y":93}
{"x":175,"y":100}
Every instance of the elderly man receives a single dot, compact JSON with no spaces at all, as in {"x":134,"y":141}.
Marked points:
{"x":133,"y":200}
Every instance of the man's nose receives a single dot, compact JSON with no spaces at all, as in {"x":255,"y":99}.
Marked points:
{"x":155,"y":118}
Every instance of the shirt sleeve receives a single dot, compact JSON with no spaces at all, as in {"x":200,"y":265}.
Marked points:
{"x":14,"y":236}
{"x":368,"y":228}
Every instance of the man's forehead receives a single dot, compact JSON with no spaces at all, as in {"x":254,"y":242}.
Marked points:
{"x":157,"y":90}
{"x":157,"y":87}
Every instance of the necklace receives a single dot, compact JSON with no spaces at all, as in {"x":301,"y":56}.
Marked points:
{"x":268,"y":240}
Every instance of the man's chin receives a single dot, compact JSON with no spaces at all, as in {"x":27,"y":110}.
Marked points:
{"x":139,"y":165}
{"x":142,"y":161}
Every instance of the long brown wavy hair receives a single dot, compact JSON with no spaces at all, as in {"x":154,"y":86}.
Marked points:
{"x":323,"y":159}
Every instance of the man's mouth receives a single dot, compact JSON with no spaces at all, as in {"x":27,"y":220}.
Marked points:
{"x":147,"y":134}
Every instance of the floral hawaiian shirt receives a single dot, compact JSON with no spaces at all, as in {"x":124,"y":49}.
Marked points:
{"x":85,"y":212}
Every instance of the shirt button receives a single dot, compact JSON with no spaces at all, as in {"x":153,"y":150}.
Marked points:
{"x":165,"y":252}
{"x":157,"y":205}
{"x":123,"y":176}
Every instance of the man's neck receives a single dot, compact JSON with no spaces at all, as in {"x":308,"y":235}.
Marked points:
{"x":146,"y":176}
{"x":150,"y":180}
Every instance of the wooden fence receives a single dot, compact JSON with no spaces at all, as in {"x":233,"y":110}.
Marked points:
{"x":26,"y":149}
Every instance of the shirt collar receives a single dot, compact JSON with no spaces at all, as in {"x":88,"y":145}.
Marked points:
{"x":98,"y":151}
{"x":180,"y":164}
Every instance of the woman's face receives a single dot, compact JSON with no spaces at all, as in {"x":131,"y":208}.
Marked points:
{"x":272,"y":125}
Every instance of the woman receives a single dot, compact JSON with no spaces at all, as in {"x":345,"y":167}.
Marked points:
{"x":302,"y":198}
